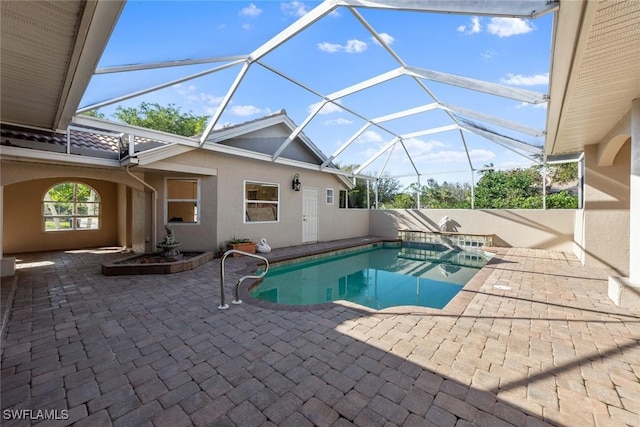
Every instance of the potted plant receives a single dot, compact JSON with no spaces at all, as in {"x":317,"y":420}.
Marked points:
{"x":244,"y":245}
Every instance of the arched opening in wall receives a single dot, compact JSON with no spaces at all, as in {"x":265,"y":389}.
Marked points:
{"x":608,"y":150}
{"x":70,"y":206}
{"x":62,"y":213}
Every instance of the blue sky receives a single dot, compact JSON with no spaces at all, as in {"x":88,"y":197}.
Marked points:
{"x":332,"y":54}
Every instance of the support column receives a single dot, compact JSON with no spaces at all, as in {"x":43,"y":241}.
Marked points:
{"x":634,"y":204}
{"x":7,"y":265}
{"x":625,"y":291}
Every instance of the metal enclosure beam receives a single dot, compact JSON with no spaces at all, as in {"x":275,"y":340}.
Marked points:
{"x":495,"y":120}
{"x":167,"y":64}
{"x":154,"y":88}
{"x":501,"y":139}
{"x":496,"y":89}
{"x":512,"y":9}
{"x":381,"y":78}
{"x":225,"y":102}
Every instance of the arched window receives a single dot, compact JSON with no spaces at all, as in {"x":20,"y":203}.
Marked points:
{"x":71,"y":206}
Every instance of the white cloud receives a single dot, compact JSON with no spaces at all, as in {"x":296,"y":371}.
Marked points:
{"x":501,"y":27}
{"x":473,"y":28}
{"x":488,"y":54}
{"x":520,"y":80}
{"x":339,"y":121}
{"x":329,"y":47}
{"x":420,"y":147}
{"x":328,"y":108}
{"x":355,"y":46}
{"x":456,"y":156}
{"x":370,"y":136}
{"x":507,"y":27}
{"x":245,"y":110}
{"x":387,"y":38}
{"x":247,"y":26}
{"x":252,"y":11}
{"x":185,"y":90}
{"x":205,"y":101}
{"x":294,"y":8}
{"x":352,"y":46}
{"x":432,"y":151}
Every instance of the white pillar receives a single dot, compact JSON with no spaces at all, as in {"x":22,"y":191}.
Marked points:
{"x":634,"y":202}
{"x":625,"y":291}
{"x":7,"y":265}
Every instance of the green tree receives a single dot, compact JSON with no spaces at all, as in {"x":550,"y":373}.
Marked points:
{"x":401,"y":201}
{"x":445,"y":195}
{"x":93,"y":113}
{"x":564,"y":173}
{"x":387,"y":188}
{"x":166,"y":119}
{"x":516,"y":188}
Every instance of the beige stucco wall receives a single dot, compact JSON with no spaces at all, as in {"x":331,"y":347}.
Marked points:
{"x":23,"y":226}
{"x":26,"y":182}
{"x":333,"y":223}
{"x":602,"y":227}
{"x":544,"y":229}
{"x":192,"y":237}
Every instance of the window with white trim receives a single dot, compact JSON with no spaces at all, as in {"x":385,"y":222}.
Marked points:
{"x":329,"y":196}
{"x":183,"y":200}
{"x":71,"y":206}
{"x":261,"y":202}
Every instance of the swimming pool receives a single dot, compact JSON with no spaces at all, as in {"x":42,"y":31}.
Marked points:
{"x":376,"y":276}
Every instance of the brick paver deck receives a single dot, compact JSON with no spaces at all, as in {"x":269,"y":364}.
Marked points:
{"x":534,"y":342}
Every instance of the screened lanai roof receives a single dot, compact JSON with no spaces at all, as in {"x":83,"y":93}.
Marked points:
{"x":397,"y":87}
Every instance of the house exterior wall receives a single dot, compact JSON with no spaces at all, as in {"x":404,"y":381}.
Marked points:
{"x":333,"y":222}
{"x":528,"y":228}
{"x":602,"y":226}
{"x":23,"y":226}
{"x":24,"y":185}
{"x":192,"y":237}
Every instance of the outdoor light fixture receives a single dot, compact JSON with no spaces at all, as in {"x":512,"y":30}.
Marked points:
{"x":295,"y":184}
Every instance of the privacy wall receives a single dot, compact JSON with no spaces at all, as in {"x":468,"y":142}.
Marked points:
{"x":528,"y":228}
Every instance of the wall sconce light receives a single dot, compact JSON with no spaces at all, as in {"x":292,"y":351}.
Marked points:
{"x":295,"y":184}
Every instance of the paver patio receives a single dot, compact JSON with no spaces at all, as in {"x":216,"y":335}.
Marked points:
{"x":535,"y":342}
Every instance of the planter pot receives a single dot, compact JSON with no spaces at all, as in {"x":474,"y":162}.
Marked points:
{"x":248,"y":247}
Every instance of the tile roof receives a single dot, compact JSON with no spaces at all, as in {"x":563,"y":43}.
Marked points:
{"x":84,"y":140}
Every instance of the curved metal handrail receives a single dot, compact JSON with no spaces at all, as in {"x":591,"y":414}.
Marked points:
{"x":222,"y":305}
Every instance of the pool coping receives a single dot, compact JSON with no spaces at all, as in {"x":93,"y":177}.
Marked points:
{"x":455,"y":306}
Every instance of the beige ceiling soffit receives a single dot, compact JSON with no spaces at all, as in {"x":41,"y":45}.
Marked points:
{"x":96,"y":24}
{"x":614,"y":140}
{"x":572,"y":24}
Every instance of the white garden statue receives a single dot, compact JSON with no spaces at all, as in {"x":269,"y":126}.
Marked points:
{"x":443,"y":223}
{"x":262,"y":247}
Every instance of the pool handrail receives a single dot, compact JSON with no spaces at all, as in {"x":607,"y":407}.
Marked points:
{"x":237,"y":299}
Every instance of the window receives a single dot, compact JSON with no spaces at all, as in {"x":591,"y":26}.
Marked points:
{"x":344,"y":197}
{"x":329,"y":196}
{"x":183,"y":200}
{"x":71,"y":206}
{"x":261,"y":202}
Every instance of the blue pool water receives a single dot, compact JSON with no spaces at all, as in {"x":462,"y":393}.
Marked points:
{"x":375,"y":276}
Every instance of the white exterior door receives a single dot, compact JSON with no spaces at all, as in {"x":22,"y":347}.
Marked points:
{"x":309,"y":215}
